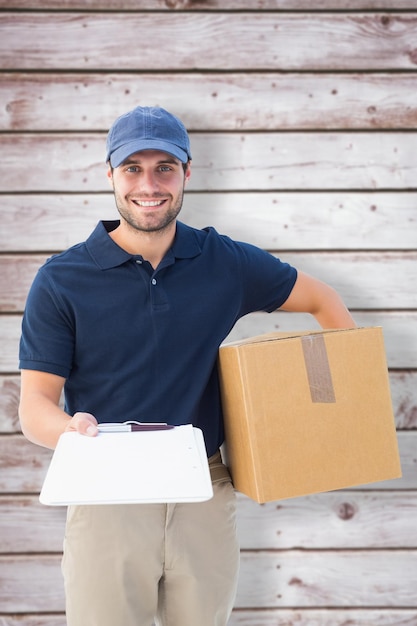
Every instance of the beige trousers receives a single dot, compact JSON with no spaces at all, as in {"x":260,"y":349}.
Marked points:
{"x":168,"y":564}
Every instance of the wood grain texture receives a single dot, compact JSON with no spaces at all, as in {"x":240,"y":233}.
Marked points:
{"x":33,"y":620}
{"x":232,"y":161}
{"x":328,"y":579}
{"x":207,"y":5}
{"x":272,"y":617}
{"x":337,"y":220}
{"x":303,"y":124}
{"x":338,"y":520}
{"x":248,"y":41}
{"x":210,"y":101}
{"x":317,"y":617}
{"x":31,"y":584}
{"x":283,"y":617}
{"x":23,"y":465}
{"x":26,"y":526}
{"x":9,"y":402}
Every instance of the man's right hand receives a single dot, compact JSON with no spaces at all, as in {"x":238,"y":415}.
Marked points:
{"x":83,"y":423}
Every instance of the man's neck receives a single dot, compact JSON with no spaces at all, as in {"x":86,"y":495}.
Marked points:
{"x":152,"y":246}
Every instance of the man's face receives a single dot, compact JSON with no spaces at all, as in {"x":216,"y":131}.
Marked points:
{"x":148,"y":189}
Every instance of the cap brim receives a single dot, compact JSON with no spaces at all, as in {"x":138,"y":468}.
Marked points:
{"x":120,"y":155}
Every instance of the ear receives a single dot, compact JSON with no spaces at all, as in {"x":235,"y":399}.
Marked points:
{"x":110,"y":175}
{"x":187,"y":173}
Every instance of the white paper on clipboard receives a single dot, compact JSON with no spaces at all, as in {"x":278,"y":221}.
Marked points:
{"x":128,"y":467}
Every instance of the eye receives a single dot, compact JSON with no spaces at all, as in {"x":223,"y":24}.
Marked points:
{"x":165,"y":168}
{"x":132,"y":169}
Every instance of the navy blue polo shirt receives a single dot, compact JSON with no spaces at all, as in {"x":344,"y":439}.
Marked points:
{"x":134,"y":343}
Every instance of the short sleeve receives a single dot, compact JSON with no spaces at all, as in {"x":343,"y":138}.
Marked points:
{"x":46,"y":342}
{"x":266,"y":280}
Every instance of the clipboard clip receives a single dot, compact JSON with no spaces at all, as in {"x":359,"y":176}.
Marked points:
{"x":133,"y":426}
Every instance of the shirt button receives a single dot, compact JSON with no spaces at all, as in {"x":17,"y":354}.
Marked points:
{"x":153,"y":281}
{"x":138,"y":261}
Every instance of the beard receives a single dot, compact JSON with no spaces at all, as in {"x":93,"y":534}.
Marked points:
{"x":152,"y":221}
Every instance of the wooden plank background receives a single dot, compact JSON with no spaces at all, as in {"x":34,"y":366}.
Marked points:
{"x":303,"y":127}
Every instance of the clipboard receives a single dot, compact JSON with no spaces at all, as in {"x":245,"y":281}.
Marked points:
{"x":152,"y":466}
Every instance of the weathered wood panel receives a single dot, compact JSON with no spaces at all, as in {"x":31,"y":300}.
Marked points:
{"x":326,"y":617}
{"x":234,"y":161}
{"x":349,"y":196}
{"x":23,"y":465}
{"x":272,"y":220}
{"x":30,"y":584}
{"x":404,"y":398}
{"x":9,"y":401}
{"x":26,"y":526}
{"x":310,"y":220}
{"x":58,"y":102}
{"x":328,"y":579}
{"x":283,"y":617}
{"x":33,"y":620}
{"x":248,"y":41}
{"x":400,"y":333}
{"x":283,"y":579}
{"x":365,"y":280}
{"x":205,"y":5}
{"x":338,"y":520}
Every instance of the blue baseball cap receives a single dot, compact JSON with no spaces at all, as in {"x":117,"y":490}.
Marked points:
{"x":147,"y":128}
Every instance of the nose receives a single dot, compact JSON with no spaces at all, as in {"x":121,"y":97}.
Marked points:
{"x":148,"y":183}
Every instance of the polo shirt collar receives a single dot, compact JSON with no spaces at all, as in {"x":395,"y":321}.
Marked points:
{"x":186,"y":244}
{"x":107,"y":254}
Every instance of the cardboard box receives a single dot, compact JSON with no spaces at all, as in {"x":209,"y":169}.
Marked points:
{"x":307,"y":412}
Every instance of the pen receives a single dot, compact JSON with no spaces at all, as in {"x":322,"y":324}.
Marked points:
{"x":126,"y":428}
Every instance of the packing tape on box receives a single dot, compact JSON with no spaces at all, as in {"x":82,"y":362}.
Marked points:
{"x":318,"y":369}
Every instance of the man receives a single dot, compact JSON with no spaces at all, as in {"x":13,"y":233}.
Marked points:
{"x":129,"y":323}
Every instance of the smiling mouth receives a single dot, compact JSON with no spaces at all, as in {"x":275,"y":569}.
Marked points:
{"x":148,"y":203}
